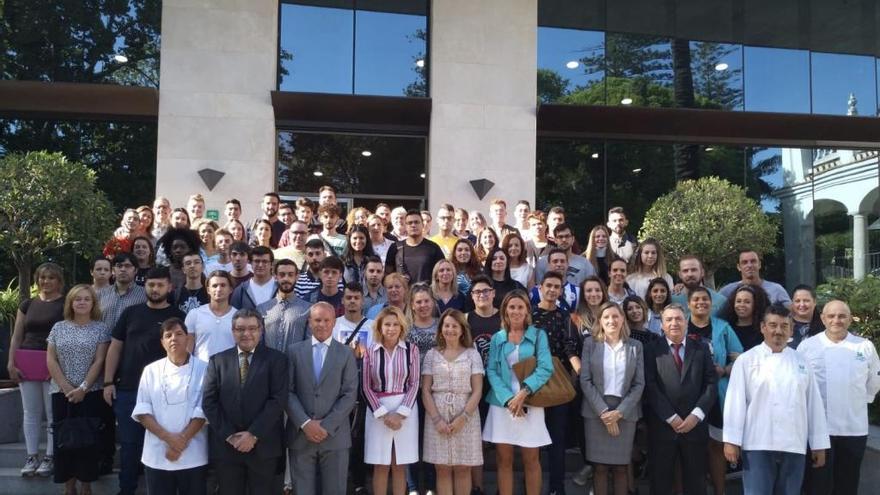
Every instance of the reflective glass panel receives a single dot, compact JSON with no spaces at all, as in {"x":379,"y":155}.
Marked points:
{"x":717,"y":75}
{"x":317,"y":45}
{"x":390,"y":54}
{"x":352,"y":163}
{"x":843,"y":84}
{"x":777,"y":80}
{"x":571,"y":173}
{"x":638,"y":174}
{"x":567,"y":68}
{"x":638,"y":70}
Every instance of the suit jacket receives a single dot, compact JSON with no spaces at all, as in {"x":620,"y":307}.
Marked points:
{"x":330,"y":400}
{"x":257,"y":406}
{"x":670,"y":392}
{"x":593,"y":380}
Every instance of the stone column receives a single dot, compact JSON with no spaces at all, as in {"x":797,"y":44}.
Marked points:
{"x":484,"y":93}
{"x":860,"y":245}
{"x":218,"y":66}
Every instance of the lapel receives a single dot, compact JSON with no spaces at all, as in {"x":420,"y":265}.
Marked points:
{"x":689,"y":350}
{"x":599,"y":358}
{"x":630,"y":361}
{"x":309,"y":360}
{"x":666,"y":364}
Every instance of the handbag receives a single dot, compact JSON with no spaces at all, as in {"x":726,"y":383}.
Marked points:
{"x":32,"y":364}
{"x":76,"y":432}
{"x":558,"y":389}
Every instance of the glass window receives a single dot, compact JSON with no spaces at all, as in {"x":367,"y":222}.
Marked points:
{"x":316,"y":49}
{"x":843,"y":84}
{"x":777,"y":80}
{"x":363,"y":47}
{"x":717,"y":75}
{"x":639,"y":173}
{"x":567,"y":68}
{"x":638,"y":70}
{"x":390,"y":56}
{"x":352,"y":163}
{"x":571,"y":174}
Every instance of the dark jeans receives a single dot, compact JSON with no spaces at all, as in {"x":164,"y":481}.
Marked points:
{"x":767,"y":472}
{"x":130,"y":434}
{"x":842,"y":469}
{"x":556,"y":419}
{"x":420,"y":470}
{"x":183,"y":482}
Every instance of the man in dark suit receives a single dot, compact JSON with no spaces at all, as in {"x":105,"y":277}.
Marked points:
{"x":245,"y":392}
{"x":323,"y":389}
{"x":680,"y":381}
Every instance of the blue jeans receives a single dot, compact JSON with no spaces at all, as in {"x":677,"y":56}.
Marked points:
{"x":767,"y":472}
{"x":130,"y":435}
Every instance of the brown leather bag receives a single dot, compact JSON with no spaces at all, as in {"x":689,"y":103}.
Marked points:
{"x":558,"y":389}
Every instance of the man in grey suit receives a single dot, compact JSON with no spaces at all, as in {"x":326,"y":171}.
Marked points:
{"x":244,"y":394}
{"x":323,"y":389}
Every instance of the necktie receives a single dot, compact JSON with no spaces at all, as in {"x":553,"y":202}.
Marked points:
{"x":243,"y":365}
{"x":676,"y":356}
{"x":318,"y":359}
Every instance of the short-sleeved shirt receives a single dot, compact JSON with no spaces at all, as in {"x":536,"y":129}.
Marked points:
{"x":139,"y":329}
{"x":190,"y":299}
{"x":39,"y":317}
{"x":75,"y":348}
{"x":113,"y":304}
{"x":425,"y":338}
{"x":482,"y":330}
{"x":417,"y":261}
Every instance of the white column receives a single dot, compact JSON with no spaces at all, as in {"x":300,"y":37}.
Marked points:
{"x":218,"y":67}
{"x":860,"y":245}
{"x":483,"y":91}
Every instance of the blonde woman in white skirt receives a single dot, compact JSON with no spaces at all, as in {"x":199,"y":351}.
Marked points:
{"x":390,"y":383}
{"x":510,"y":423}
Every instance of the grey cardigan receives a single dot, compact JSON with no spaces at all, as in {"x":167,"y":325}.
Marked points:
{"x":592,"y":380}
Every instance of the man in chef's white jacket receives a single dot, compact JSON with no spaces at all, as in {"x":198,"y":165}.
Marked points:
{"x":772,"y":411}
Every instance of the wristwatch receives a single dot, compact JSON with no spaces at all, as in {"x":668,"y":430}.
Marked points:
{"x":84,"y":386}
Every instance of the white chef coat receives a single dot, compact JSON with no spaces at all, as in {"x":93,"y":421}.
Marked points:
{"x":212,"y":333}
{"x":773,"y":403}
{"x":173,"y":396}
{"x":848,"y":374}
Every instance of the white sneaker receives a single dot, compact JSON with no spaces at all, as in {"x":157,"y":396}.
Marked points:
{"x":582,"y":476}
{"x":30,"y":466}
{"x":47,"y":465}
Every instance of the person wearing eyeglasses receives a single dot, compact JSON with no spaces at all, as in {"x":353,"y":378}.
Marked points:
{"x":169,"y":407}
{"x":261,"y":287}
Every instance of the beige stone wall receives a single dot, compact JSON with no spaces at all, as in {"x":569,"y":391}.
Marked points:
{"x":217,"y":70}
{"x":483,"y":87}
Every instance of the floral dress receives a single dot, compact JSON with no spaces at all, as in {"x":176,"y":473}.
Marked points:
{"x":451,"y":389}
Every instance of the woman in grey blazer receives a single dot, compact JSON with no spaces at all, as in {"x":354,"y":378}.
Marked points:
{"x":612,"y":378}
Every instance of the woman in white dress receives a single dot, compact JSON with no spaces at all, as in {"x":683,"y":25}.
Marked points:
{"x":390,"y":383}
{"x":510,"y":423}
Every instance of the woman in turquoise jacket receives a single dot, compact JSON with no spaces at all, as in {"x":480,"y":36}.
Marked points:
{"x":510,"y":422}
{"x":725,"y":347}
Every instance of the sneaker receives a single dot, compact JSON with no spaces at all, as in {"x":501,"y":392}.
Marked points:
{"x":47,"y":465}
{"x":583,"y":476}
{"x":30,"y":466}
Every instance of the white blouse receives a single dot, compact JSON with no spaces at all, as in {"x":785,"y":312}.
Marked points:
{"x":614,"y":368}
{"x":173,"y":396}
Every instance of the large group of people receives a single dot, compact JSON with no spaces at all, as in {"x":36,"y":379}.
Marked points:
{"x":292,"y":353}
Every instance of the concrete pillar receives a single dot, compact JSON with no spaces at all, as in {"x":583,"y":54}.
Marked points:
{"x":218,"y":67}
{"x":483,"y":88}
{"x":860,"y":245}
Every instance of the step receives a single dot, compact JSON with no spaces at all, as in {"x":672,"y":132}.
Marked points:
{"x":12,"y":483}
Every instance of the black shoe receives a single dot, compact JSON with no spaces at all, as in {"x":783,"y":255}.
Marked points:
{"x":361,"y":491}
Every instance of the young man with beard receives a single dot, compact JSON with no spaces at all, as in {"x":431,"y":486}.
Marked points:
{"x":415,"y":256}
{"x":691,"y":273}
{"x":270,"y":204}
{"x":192,"y":294}
{"x":374,"y":291}
{"x":135,"y":343}
{"x":210,"y":326}
{"x":284,"y":315}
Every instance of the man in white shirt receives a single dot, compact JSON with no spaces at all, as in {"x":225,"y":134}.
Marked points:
{"x":210,"y":325}
{"x":847,"y":369}
{"x":169,"y":406}
{"x":261,"y":287}
{"x":772,"y":410}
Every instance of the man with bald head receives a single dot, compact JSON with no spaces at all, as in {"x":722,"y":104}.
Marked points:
{"x":323,"y":389}
{"x":847,"y":370}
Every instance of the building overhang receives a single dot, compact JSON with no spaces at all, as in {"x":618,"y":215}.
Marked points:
{"x":352,"y":113}
{"x":686,"y":125}
{"x":78,"y":101}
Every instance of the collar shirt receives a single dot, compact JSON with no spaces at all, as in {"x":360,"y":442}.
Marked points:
{"x":113,"y":304}
{"x":614,"y":368}
{"x":282,"y":318}
{"x":249,"y":354}
{"x":380,"y":298}
{"x":848,"y":374}
{"x":211,"y":333}
{"x":173,"y":396}
{"x":623,"y":246}
{"x":392,"y":373}
{"x":773,"y":403}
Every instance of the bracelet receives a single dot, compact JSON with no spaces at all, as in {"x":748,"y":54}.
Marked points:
{"x":84,"y":386}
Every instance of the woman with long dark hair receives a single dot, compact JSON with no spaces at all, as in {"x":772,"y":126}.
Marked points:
{"x":657,"y":297}
{"x":744,"y":311}
{"x":804,"y":315}
{"x":358,"y":248}
{"x":497,"y":267}
{"x":467,"y":266}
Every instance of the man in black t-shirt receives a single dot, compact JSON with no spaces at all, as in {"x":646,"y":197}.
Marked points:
{"x":192,"y":294}
{"x":331,"y":274}
{"x":415,"y":256}
{"x":135,"y":343}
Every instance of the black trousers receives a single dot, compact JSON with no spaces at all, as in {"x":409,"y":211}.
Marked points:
{"x":840,"y":474}
{"x":80,"y":464}
{"x":691,"y":448}
{"x":191,"y":481}
{"x":248,"y":475}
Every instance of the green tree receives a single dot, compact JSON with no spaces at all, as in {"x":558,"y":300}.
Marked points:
{"x":551,"y":86}
{"x":48,"y":202}
{"x":712,"y":219}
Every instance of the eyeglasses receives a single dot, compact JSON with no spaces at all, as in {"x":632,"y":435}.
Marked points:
{"x":482,"y":292}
